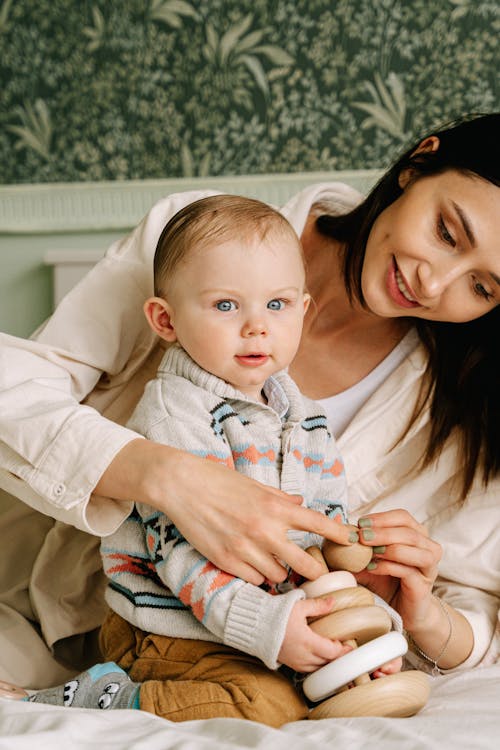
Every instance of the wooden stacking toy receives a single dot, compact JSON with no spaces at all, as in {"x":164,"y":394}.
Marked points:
{"x":344,"y":687}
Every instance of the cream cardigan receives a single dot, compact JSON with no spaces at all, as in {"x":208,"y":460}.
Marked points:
{"x":174,"y":590}
{"x":54,"y":450}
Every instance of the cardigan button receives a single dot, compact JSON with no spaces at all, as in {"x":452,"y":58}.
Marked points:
{"x":59,"y":490}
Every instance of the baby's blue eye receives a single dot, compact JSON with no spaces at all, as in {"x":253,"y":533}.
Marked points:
{"x":225,"y":305}
{"x":276,"y":304}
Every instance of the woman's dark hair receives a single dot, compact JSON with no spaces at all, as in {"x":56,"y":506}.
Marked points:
{"x":462,"y":382}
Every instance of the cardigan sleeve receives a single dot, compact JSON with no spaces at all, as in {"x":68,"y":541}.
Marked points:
{"x":53,"y":448}
{"x":239,"y":614}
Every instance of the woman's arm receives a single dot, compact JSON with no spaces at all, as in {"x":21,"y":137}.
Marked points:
{"x":248,"y":538}
{"x":68,"y":461}
{"x":98,"y":335}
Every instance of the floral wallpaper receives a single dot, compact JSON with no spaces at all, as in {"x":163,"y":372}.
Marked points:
{"x":134,"y":89}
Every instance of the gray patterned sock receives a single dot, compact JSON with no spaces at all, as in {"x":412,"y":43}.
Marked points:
{"x":101,"y":686}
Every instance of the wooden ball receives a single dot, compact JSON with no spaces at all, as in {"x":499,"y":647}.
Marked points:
{"x":352,"y":557}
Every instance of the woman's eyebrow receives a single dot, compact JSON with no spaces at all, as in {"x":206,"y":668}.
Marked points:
{"x":470,"y":235}
{"x":465,"y":224}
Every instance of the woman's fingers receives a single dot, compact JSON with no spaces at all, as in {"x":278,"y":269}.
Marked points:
{"x":389,"y":518}
{"x":397,"y":536}
{"x":306,"y":519}
{"x":424,"y":558}
{"x":405,"y":562}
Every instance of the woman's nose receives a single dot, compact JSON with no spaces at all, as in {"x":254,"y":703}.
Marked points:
{"x":435,"y":278}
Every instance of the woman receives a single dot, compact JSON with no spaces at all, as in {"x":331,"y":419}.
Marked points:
{"x":400,"y":338}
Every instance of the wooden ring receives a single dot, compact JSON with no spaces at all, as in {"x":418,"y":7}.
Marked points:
{"x":325,"y":584}
{"x":396,"y":695}
{"x":326,"y":680}
{"x":359,"y":623}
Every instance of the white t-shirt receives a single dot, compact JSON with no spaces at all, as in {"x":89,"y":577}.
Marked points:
{"x":342,"y":407}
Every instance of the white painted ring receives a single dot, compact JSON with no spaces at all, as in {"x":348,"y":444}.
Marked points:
{"x":365,"y":659}
{"x":338,"y":579}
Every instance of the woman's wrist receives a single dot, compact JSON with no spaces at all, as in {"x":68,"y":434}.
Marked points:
{"x":437,"y":652}
{"x":139,"y":472}
{"x":444,"y":638}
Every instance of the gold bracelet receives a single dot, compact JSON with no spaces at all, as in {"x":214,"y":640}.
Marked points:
{"x":435,"y":668}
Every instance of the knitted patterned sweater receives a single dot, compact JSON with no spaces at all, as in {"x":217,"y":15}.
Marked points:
{"x":161,"y":584}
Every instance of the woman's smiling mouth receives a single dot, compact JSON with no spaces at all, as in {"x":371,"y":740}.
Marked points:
{"x":402,"y":287}
{"x":398,"y":289}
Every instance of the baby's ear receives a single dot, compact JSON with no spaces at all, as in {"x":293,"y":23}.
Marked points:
{"x":159,"y":316}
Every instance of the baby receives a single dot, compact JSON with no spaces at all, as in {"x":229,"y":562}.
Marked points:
{"x":190,"y":640}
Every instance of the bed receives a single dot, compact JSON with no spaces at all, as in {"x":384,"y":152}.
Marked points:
{"x":462,"y":713}
{"x":463,"y":708}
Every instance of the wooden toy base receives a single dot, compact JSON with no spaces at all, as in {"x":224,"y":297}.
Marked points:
{"x":398,"y":695}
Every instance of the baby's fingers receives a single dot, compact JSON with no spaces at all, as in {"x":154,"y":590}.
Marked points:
{"x":391,"y":667}
{"x":313,"y":608}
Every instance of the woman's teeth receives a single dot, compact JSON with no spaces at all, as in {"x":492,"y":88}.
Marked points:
{"x":402,"y":288}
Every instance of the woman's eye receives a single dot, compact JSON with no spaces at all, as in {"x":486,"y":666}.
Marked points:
{"x":276,"y":304}
{"x":481,"y":291}
{"x":444,"y":233}
{"x":225,"y":305}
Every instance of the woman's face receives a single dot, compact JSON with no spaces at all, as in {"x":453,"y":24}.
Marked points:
{"x":435,"y":252}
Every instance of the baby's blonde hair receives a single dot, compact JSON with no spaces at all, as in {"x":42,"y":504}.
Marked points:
{"x":217,"y":218}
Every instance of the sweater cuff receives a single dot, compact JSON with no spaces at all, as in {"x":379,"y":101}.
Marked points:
{"x":257,"y":621}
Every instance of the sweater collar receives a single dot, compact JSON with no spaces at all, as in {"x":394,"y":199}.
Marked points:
{"x":177,"y":361}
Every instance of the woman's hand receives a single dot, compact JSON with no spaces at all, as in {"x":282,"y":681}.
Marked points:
{"x":303,"y":649}
{"x":404,"y":564}
{"x":403,"y":570}
{"x":237,"y":523}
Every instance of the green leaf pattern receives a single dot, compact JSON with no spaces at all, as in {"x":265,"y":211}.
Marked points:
{"x":146,"y":89}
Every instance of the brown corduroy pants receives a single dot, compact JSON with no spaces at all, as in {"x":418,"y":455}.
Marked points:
{"x":185,"y":679}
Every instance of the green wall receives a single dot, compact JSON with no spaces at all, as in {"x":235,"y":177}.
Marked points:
{"x":93,"y":91}
{"x":134,"y":89}
{"x":26,"y":282}
{"x":38,"y":219}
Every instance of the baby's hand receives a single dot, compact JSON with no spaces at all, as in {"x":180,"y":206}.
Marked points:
{"x":302,"y":649}
{"x":391,"y":667}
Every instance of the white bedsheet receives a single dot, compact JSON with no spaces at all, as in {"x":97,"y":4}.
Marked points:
{"x":463,"y":713}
